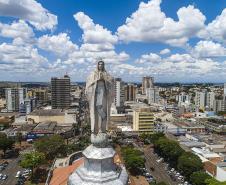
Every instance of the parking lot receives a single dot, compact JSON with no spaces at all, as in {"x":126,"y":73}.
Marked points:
{"x":11,"y":171}
{"x":161,"y":171}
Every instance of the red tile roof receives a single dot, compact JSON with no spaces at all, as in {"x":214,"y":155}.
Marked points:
{"x":60,"y":175}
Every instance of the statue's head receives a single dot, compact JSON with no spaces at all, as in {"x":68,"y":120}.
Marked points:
{"x":100,"y":66}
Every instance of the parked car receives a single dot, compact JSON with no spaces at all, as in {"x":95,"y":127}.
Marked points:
{"x":2,"y":167}
{"x":4,"y":177}
{"x":18,"y":174}
{"x":177,"y":174}
{"x":159,"y":160}
{"x":148,"y":175}
{"x":5,"y":163}
{"x":150,"y":179}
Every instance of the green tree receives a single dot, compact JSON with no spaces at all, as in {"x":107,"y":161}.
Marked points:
{"x":161,"y":183}
{"x":189,"y":163}
{"x":134,"y":163}
{"x":155,"y":137}
{"x":169,"y":150}
{"x":52,"y":146}
{"x":83,"y":142}
{"x":199,"y":178}
{"x":213,"y":181}
{"x":133,"y":159}
{"x":5,"y":143}
{"x":32,"y":160}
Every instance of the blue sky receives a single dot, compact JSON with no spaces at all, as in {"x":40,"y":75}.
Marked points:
{"x":172,"y":40}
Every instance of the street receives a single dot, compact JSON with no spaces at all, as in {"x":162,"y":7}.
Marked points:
{"x":11,"y":171}
{"x":159,"y":172}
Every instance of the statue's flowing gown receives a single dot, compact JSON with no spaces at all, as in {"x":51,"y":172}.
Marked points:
{"x":101,"y":107}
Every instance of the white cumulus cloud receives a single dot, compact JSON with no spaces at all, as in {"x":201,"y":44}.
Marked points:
{"x":209,"y":49}
{"x":59,"y":44}
{"x":29,"y":10}
{"x":165,"y":51}
{"x":150,"y":24}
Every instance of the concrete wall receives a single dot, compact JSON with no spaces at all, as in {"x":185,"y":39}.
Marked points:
{"x":221,"y":174}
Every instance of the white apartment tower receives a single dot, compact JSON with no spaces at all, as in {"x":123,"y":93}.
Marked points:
{"x":200,"y":99}
{"x":148,"y":82}
{"x":119,"y":92}
{"x":224,"y":91}
{"x":210,"y":98}
{"x":14,"y":98}
{"x":153,"y":95}
{"x":205,"y":99}
{"x":183,"y":98}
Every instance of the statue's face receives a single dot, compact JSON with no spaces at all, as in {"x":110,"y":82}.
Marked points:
{"x":101,"y":66}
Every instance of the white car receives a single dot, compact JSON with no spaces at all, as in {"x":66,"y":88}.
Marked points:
{"x":4,"y":177}
{"x":18,"y":174}
{"x":159,"y":160}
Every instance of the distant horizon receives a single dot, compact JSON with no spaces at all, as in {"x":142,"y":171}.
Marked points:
{"x":140,"y":82}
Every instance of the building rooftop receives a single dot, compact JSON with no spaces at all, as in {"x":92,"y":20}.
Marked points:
{"x":60,"y":175}
{"x":47,"y":112}
{"x":205,"y":153}
{"x":222,"y":165}
{"x":46,"y":126}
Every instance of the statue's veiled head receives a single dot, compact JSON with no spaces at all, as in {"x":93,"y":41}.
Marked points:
{"x":100,"y":66}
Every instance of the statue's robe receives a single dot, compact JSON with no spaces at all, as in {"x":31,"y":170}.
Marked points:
{"x":100,"y":96}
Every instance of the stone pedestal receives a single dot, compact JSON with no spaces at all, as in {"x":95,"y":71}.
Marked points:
{"x":99,"y":168}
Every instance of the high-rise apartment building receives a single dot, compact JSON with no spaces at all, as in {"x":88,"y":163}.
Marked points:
{"x":15,"y":98}
{"x":205,"y":99}
{"x":152,"y":95}
{"x":143,"y":120}
{"x":119,"y":92}
{"x":60,"y":89}
{"x":183,"y":98}
{"x":219,"y":105}
{"x":210,"y":97}
{"x":41,"y":95}
{"x":148,"y":82}
{"x":200,"y":99}
{"x":30,"y":104}
{"x":224,"y":96}
{"x":130,"y":92}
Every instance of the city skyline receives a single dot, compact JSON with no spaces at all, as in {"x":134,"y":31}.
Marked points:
{"x":40,"y":39}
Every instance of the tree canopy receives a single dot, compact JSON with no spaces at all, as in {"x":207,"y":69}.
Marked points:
{"x":213,"y":181}
{"x":199,"y":178}
{"x":5,"y":143}
{"x":133,"y":159}
{"x":32,"y":160}
{"x":52,"y":146}
{"x":189,"y":163}
{"x":169,"y":150}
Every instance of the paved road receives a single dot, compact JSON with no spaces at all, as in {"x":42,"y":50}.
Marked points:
{"x":13,"y":168}
{"x":159,"y":172}
{"x":11,"y":171}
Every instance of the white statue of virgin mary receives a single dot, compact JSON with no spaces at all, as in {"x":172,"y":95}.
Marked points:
{"x":99,"y":92}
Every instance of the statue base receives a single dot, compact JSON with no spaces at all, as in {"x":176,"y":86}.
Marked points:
{"x":99,"y":168}
{"x":99,"y":140}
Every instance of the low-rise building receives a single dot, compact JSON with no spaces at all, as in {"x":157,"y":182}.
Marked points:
{"x":213,"y":163}
{"x":53,"y":115}
{"x":143,"y":120}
